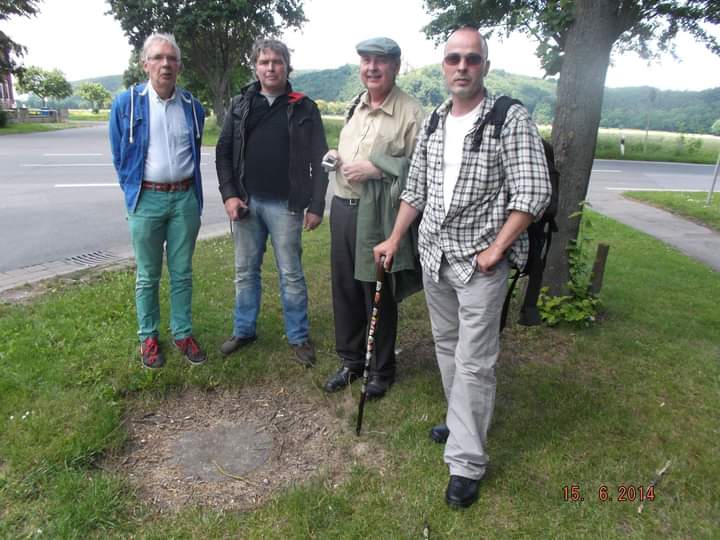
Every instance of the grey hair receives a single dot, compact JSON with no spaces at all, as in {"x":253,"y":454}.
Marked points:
{"x":274,"y":45}
{"x":155,"y":37}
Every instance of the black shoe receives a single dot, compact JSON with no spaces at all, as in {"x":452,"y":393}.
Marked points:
{"x":461,"y":492}
{"x":341,"y":379}
{"x":235,"y":342}
{"x":304,"y":354}
{"x":377,"y":386}
{"x":440,"y":433}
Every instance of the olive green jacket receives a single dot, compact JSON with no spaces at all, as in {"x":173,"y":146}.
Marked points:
{"x":377,"y":210}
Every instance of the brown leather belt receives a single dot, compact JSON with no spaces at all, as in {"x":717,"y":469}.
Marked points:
{"x":183,"y":185}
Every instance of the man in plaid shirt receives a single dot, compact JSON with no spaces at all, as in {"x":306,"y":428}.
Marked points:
{"x":477,"y":203}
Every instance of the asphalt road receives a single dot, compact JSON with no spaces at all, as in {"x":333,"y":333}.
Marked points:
{"x":59,"y":196}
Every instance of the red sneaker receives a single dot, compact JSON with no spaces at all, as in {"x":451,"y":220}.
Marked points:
{"x":191,"y":350}
{"x":150,"y":353}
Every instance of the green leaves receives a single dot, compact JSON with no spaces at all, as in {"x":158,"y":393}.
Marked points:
{"x":580,"y":306}
{"x":95,"y":93}
{"x":215,"y":36}
{"x":44,"y":83}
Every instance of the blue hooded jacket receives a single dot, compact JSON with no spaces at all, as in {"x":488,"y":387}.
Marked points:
{"x":130,"y":138}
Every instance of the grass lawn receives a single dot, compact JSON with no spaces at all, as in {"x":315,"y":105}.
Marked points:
{"x":607,"y":407}
{"x":687,"y":204}
{"x":332,"y":131}
{"x":660,"y":146}
{"x":87,"y":114}
{"x":14,"y":129}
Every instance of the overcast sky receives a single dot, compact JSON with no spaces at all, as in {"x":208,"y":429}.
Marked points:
{"x":79,"y":39}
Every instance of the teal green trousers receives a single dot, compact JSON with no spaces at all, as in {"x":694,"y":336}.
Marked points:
{"x":169,"y":220}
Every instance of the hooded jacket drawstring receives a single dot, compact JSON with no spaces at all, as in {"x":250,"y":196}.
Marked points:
{"x":189,"y":100}
{"x":132,"y":112}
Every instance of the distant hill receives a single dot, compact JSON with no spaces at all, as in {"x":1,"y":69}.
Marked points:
{"x":631,"y":107}
{"x":667,"y":110}
{"x":339,"y":84}
{"x":112,"y":83}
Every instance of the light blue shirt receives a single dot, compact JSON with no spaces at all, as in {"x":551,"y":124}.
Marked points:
{"x":169,"y":157}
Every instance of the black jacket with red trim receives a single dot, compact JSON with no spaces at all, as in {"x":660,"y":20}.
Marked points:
{"x":308,"y":180}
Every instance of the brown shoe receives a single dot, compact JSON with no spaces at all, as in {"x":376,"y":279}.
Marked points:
{"x":235,"y":342}
{"x":191,"y":350}
{"x":150,"y":353}
{"x":304,"y":354}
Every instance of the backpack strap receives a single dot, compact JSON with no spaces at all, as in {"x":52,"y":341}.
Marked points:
{"x":353,"y":105}
{"x":433,"y":122}
{"x":496,"y":118}
{"x":508,"y":297}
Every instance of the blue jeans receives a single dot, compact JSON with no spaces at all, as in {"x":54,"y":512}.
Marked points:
{"x":269,"y":216}
{"x":170,"y":219}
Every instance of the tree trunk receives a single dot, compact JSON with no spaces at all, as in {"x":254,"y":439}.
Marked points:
{"x":577,"y":117}
{"x":219,"y":91}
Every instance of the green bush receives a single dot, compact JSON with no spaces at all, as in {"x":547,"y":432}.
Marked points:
{"x":580,"y":306}
{"x":3,"y":118}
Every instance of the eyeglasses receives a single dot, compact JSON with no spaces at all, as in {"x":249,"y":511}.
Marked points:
{"x":171,"y":59}
{"x":472,"y":59}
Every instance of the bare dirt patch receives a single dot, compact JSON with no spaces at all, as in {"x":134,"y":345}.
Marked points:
{"x":235,"y":449}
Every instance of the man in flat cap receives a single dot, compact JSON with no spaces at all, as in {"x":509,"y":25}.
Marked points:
{"x":372,"y":161}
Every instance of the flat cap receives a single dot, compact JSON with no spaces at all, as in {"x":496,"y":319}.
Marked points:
{"x":378,"y":45}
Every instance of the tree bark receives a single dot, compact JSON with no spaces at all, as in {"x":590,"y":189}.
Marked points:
{"x":577,"y":118}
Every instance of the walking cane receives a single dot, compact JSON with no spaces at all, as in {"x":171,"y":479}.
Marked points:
{"x":379,"y":280}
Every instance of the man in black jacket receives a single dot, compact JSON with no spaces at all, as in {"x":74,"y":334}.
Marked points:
{"x":268,"y":165}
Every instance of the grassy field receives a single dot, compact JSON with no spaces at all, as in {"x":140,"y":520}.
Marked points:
{"x":88,"y":115}
{"x":691,"y":205}
{"x":332,"y":131}
{"x":660,"y":146}
{"x":606,"y":407}
{"x":15,"y":129}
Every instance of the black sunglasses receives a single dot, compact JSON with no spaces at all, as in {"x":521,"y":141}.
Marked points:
{"x":472,"y":59}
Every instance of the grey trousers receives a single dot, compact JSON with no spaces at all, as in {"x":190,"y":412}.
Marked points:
{"x":465,"y":319}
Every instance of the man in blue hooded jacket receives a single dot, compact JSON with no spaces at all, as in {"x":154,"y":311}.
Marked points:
{"x":155,"y":135}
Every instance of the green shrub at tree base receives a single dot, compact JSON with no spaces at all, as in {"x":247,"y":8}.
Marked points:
{"x":580,"y":306}
{"x":3,"y":119}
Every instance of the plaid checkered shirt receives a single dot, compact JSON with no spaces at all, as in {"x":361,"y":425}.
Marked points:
{"x":509,"y":173}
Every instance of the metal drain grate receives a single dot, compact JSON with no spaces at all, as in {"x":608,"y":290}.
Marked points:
{"x":92,"y":259}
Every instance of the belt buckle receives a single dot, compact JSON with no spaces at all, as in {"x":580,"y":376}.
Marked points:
{"x":353,"y":202}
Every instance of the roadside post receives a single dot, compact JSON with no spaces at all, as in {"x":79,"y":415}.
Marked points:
{"x":712,"y":186}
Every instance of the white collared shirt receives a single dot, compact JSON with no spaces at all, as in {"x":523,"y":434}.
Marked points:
{"x":169,"y":157}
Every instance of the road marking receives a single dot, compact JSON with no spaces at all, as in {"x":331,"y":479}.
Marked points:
{"x":70,"y":155}
{"x":606,"y":170}
{"x":66,"y":165}
{"x":84,"y":185}
{"x":636,"y":188}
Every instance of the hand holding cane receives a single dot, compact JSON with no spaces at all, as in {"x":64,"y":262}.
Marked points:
{"x":379,"y":280}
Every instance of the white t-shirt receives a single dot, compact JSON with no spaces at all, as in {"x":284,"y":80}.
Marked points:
{"x":456,"y":127}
